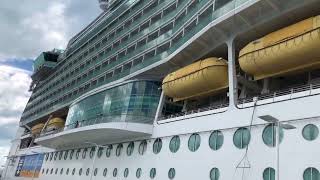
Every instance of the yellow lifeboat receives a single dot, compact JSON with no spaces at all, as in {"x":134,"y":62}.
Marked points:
{"x":202,"y":78}
{"x":55,"y":123}
{"x":289,"y":50}
{"x":36,"y":129}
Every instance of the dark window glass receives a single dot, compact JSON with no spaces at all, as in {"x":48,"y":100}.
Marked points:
{"x":269,"y":135}
{"x":130,"y":148}
{"x":214,"y":174}
{"x":143,"y":147}
{"x":241,"y":138}
{"x":153,"y":173}
{"x":119,"y":149}
{"x":126,"y":173}
{"x":194,"y":142}
{"x":174,"y":144}
{"x":310,"y":132}
{"x":105,"y":171}
{"x":216,"y":140}
{"x":157,"y":145}
{"x":115,"y":172}
{"x":109,"y":150}
{"x":138,"y":173}
{"x":171,"y":173}
{"x":269,"y":174}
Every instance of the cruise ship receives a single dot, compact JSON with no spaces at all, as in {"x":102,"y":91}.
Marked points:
{"x":177,"y":90}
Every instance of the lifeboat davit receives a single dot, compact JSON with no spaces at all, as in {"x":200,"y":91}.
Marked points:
{"x":55,"y":123}
{"x":36,"y":129}
{"x":287,"y":51}
{"x":202,"y":78}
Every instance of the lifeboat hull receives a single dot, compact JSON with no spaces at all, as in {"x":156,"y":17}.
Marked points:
{"x":205,"y":77}
{"x":37,"y":129}
{"x":55,"y":123}
{"x":287,"y":51}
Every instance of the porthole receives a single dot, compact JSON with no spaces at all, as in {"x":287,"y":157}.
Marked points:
{"x":84,"y":153}
{"x":71,"y":154}
{"x":153,"y":173}
{"x":143,"y":147}
{"x":67,"y":172}
{"x":47,"y":171}
{"x":51,"y":171}
{"x":119,"y":149}
{"x":241,"y":138}
{"x":310,"y":132}
{"x":109,"y":150}
{"x":100,"y":152}
{"x":95,"y":172}
{"x":80,"y":171}
{"x":174,"y":144}
{"x":47,"y":156}
{"x":73,"y":171}
{"x":138,"y":173}
{"x":51,"y":156}
{"x":269,"y":135}
{"x":171,"y":173}
{"x":105,"y":171}
{"x":78,"y":153}
{"x":214,"y":174}
{"x":61,"y":171}
{"x":88,"y":171}
{"x":216,"y":140}
{"x":126,"y":173}
{"x":55,"y":155}
{"x":56,"y":171}
{"x":130,"y":148}
{"x":194,"y":142}
{"x":60,"y":155}
{"x":42,"y":171}
{"x":66,"y":153}
{"x":269,"y":174}
{"x":115,"y":172}
{"x":311,"y":174}
{"x":157,"y":145}
{"x":92,"y":152}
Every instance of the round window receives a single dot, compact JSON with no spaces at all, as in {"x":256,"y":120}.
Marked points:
{"x":95,"y":172}
{"x":55,"y":155}
{"x":105,"y":171}
{"x":153,"y":173}
{"x":80,"y":171}
{"x":115,"y":172}
{"x":109,"y":150}
{"x":92,"y":152}
{"x":241,"y":138}
{"x":71,"y":154}
{"x":47,"y":156}
{"x":130,"y":148}
{"x":138,"y":173}
{"x":100,"y":152}
{"x":84,"y":153}
{"x":157,"y":145}
{"x":73,"y":171}
{"x":47,"y":171}
{"x":51,"y":156}
{"x":214,"y":174}
{"x":143,"y":147}
{"x":216,"y":140}
{"x":269,"y":174}
{"x":67,"y":172}
{"x":78,"y":153}
{"x":61,"y":171}
{"x":310,"y":132}
{"x":60,"y":155}
{"x":174,"y":144}
{"x":88,"y":171}
{"x":311,"y":174}
{"x":119,"y":149}
{"x":51,"y":171}
{"x":269,"y":135}
{"x":194,"y":142}
{"x":171,"y":173}
{"x":56,"y":171}
{"x":66,"y":153}
{"x":126,"y":172}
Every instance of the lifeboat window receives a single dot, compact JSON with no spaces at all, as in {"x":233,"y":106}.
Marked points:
{"x":143,"y":147}
{"x":194,"y":142}
{"x":109,"y":150}
{"x":67,"y":172}
{"x":171,"y":173}
{"x":126,"y":173}
{"x":241,"y":138}
{"x":214,"y":174}
{"x":80,"y":171}
{"x":71,"y":154}
{"x":119,"y":149}
{"x":153,"y":173}
{"x":311,"y":174}
{"x":95,"y":172}
{"x":100,"y":152}
{"x":84,"y":153}
{"x":157,"y":145}
{"x":174,"y":144}
{"x":115,"y":172}
{"x":92,"y":152}
{"x":138,"y":173}
{"x":216,"y":140}
{"x":269,"y":174}
{"x":105,"y":171}
{"x":269,"y":135}
{"x":310,"y":132}
{"x":220,"y":3}
{"x":78,"y":153}
{"x":130,"y":148}
{"x":88,"y":171}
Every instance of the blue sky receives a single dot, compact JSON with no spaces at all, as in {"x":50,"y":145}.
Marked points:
{"x":27,"y":29}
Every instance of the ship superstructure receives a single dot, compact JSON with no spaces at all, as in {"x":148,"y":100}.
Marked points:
{"x":178,"y":89}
